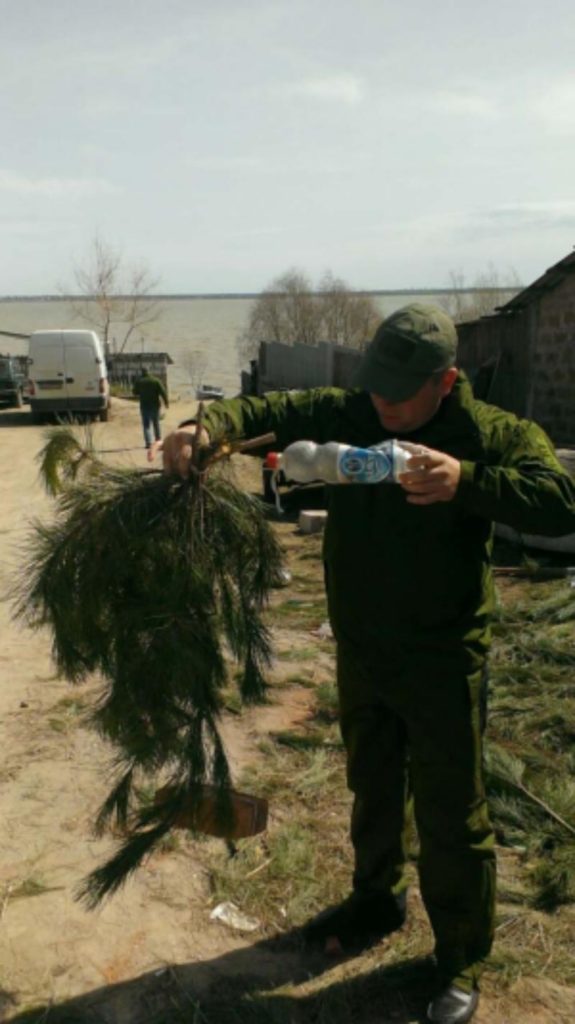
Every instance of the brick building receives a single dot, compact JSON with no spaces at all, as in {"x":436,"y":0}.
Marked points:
{"x":523,"y":357}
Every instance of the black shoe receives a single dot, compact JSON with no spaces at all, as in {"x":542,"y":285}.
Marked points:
{"x":359,"y":922}
{"x":453,"y":1006}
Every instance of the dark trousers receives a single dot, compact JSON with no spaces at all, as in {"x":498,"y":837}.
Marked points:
{"x":151,"y":423}
{"x":412,"y":728}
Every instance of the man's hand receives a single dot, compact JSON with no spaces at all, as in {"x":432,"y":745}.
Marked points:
{"x":432,"y":476}
{"x":176,"y":450}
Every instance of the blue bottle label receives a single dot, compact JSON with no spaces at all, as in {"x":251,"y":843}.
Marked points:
{"x":366,"y":466}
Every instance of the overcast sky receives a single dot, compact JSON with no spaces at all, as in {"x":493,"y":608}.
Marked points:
{"x":222,"y":142}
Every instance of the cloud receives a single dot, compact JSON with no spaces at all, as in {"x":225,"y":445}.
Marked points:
{"x":540,"y":215}
{"x":53,"y":188}
{"x":331,"y":88}
{"x":36,"y":229}
{"x":458,"y":225}
{"x":556,"y":106}
{"x":223,"y":163}
{"x":463,"y":101}
{"x":136,"y":58}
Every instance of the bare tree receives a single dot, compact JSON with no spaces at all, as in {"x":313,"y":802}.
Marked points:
{"x":289,"y":310}
{"x":347,"y":317}
{"x":285,"y":311}
{"x":454,"y":302}
{"x":195,"y":363}
{"x":483,"y":296}
{"x":116,"y":300}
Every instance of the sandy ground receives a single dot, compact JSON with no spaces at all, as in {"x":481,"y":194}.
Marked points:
{"x":53,"y":774}
{"x":52,"y":778}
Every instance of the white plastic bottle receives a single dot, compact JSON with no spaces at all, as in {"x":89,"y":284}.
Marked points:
{"x":334,"y":463}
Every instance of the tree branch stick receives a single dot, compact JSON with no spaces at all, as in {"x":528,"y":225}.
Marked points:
{"x":254,"y":442}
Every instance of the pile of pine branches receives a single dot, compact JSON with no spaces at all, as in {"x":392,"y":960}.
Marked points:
{"x":152,"y":582}
{"x":531,"y":736}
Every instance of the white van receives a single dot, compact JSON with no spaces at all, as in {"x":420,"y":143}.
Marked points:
{"x":67,"y":374}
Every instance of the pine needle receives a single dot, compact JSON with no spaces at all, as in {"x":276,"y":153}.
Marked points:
{"x":63,"y":458}
{"x":151,"y":581}
{"x":106,"y":880}
{"x":530,"y":756}
{"x":501,"y":766}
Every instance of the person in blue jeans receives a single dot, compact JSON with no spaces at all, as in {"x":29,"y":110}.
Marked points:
{"x":151,"y":393}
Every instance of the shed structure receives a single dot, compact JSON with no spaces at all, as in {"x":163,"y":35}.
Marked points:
{"x":125,"y":367}
{"x":522,"y":358}
{"x":283,"y":367}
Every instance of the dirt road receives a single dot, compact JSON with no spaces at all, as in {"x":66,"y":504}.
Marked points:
{"x":53,"y":775}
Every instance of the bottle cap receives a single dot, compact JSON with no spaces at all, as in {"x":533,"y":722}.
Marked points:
{"x":273,"y":460}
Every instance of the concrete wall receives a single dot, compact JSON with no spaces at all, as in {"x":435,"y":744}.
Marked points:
{"x":345,"y":364}
{"x":304,"y":366}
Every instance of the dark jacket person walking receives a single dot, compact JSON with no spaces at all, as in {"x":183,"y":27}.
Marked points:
{"x":151,"y":393}
{"x":410,"y":594}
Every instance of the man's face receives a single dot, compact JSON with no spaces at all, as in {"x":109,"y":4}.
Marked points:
{"x":405,"y":417}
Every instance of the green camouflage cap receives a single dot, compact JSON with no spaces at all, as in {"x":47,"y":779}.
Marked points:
{"x":407,"y":348}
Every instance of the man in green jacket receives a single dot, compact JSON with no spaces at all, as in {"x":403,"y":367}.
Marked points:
{"x":151,"y":392}
{"x":410,"y":594}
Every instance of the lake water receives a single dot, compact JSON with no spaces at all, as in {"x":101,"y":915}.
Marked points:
{"x":207,"y":325}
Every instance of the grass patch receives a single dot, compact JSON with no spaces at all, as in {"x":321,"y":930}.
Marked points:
{"x":531,"y":737}
{"x":311,"y":740}
{"x":326,"y":709}
{"x":297,"y":613}
{"x":231,"y":702}
{"x":299,"y":654}
{"x":530,"y":943}
{"x":170,"y":843}
{"x":68,"y":713}
{"x":25,"y":888}
{"x":282,"y":880}
{"x":304,"y":679}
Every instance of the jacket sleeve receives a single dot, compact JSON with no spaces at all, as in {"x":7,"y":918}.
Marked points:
{"x":521,"y":482}
{"x":315,"y":415}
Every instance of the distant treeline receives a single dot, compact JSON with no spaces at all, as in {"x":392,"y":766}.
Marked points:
{"x":188,"y":296}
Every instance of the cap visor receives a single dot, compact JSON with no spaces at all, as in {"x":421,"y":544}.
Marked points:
{"x":388,"y":384}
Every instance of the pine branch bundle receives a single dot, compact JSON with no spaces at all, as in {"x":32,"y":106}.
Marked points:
{"x":530,"y":754}
{"x":151,"y":581}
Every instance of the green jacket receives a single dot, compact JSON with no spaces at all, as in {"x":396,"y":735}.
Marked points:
{"x":406,"y":576}
{"x":150,"y":390}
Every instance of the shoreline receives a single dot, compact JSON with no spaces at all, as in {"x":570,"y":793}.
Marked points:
{"x":192,"y":296}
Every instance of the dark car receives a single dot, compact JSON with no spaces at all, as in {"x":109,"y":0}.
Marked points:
{"x":12,"y":381}
{"x":209,"y":391}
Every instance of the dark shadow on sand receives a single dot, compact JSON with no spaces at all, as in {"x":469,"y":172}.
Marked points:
{"x":247,"y":986}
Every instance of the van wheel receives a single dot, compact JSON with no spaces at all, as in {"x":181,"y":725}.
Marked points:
{"x":104,"y":415}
